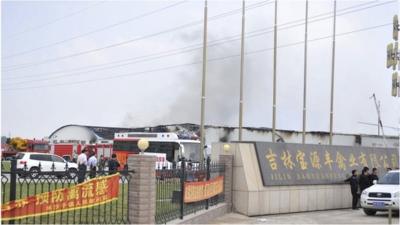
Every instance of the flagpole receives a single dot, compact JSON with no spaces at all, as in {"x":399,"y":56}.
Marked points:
{"x":332,"y":74}
{"x":305,"y":76}
{"x":203,"y":85}
{"x":274,"y":75}
{"x":241,"y":73}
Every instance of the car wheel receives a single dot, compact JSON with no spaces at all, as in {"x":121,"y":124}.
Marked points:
{"x":21,"y":175}
{"x":369,"y":212}
{"x":72,"y":173}
{"x":34,"y":172}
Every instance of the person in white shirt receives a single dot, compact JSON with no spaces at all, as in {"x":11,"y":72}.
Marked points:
{"x":82,"y":158}
{"x":92,"y":163}
{"x":82,"y":162}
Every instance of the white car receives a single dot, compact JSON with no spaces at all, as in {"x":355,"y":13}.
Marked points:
{"x":34,"y":163}
{"x":383,"y":195}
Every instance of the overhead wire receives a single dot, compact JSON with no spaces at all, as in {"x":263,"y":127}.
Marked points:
{"x":127,"y":21}
{"x":140,"y":38}
{"x":22,"y":66}
{"x":95,"y":31}
{"x":37,"y":27}
{"x":197,"y":62}
{"x":172,"y":52}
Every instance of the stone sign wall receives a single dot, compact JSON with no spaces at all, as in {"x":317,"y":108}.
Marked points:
{"x":297,"y":164}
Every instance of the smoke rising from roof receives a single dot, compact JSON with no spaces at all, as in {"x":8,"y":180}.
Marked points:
{"x":222,"y":88}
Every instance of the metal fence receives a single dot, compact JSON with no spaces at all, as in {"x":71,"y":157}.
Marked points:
{"x":18,"y":184}
{"x":170,"y":189}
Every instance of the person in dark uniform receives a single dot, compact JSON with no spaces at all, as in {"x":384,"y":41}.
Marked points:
{"x":189,"y":172}
{"x":364,"y":179}
{"x":373,"y":176}
{"x":113,"y":164}
{"x":353,"y":187}
{"x":102,"y":164}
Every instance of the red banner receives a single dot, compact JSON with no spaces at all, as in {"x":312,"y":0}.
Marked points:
{"x":90,"y":193}
{"x":201,"y":190}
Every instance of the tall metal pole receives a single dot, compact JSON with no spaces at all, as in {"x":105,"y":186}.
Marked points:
{"x":203,"y":85}
{"x":332,"y":74}
{"x":274,"y":79}
{"x":305,"y":76}
{"x":241,"y":73}
{"x":378,"y":109}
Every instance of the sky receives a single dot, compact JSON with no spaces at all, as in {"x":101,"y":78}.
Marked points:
{"x":138,"y":63}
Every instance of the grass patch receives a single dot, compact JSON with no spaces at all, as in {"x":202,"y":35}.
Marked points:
{"x":5,"y":166}
{"x":167,"y":205}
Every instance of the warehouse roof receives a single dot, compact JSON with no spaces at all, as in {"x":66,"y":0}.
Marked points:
{"x":108,"y":132}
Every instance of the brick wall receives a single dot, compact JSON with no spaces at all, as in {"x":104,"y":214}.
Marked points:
{"x":142,"y":189}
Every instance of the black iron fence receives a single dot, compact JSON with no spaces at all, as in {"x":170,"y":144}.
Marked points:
{"x":18,"y":184}
{"x":170,"y":189}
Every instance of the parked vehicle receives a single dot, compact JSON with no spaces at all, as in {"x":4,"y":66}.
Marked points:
{"x":34,"y":163}
{"x":67,"y":158}
{"x":69,"y":148}
{"x":18,"y":144}
{"x":382,"y":195}
{"x":74,"y":148}
{"x":161,"y":160}
{"x":170,"y":144}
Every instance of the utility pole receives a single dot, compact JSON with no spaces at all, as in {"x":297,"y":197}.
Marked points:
{"x":241,"y":74}
{"x":274,"y":76}
{"x":332,"y":74}
{"x":305,"y":76}
{"x":378,"y":108}
{"x":378,"y":111}
{"x":203,"y":85}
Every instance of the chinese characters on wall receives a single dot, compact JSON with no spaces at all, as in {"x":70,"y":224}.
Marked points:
{"x":295,"y":164}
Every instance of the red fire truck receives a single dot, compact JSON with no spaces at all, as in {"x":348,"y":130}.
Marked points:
{"x":70,"y":150}
{"x":104,"y":148}
{"x":17,"y":144}
{"x":67,"y":150}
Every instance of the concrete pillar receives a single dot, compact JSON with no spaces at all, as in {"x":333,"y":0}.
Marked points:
{"x":142,"y":189}
{"x":227,"y":160}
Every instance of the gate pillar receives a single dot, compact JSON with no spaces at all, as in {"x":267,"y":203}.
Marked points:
{"x":142,"y":189}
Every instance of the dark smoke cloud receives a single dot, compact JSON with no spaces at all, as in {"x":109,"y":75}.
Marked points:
{"x":222,"y":90}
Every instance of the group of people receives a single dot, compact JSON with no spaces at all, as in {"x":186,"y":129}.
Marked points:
{"x":88,"y":160}
{"x":359,"y":183}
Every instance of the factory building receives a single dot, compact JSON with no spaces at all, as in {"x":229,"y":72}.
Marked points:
{"x":91,"y":134}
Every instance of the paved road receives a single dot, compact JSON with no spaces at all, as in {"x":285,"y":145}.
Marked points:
{"x":345,"y":216}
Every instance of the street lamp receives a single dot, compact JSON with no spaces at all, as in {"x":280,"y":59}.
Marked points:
{"x":226,"y":148}
{"x":143,"y":144}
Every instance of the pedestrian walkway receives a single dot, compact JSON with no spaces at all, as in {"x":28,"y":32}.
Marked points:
{"x":344,"y":216}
